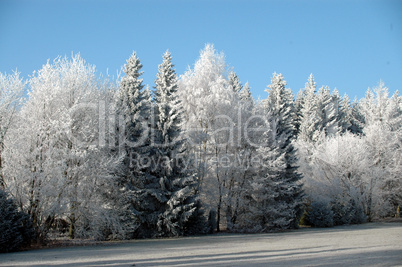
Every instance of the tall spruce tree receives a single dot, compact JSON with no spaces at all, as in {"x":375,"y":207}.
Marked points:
{"x":347,"y":121}
{"x":246,"y":98}
{"x":234,"y":82}
{"x":328,"y":112}
{"x":138,"y":187}
{"x":288,"y":188}
{"x":260,"y":210}
{"x":298,"y":104}
{"x":308,"y":123}
{"x":343,"y":108}
{"x":180,"y":209}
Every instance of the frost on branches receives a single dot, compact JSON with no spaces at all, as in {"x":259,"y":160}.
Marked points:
{"x":11,"y":90}
{"x":357,"y":172}
{"x":181,"y":213}
{"x":138,"y":188}
{"x":87,"y":157}
{"x":62,"y":172}
{"x":288,"y":194}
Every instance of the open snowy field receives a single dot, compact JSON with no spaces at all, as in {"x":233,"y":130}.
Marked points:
{"x":374,"y":244}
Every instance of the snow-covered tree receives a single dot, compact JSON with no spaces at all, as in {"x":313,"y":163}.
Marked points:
{"x":382,"y":132}
{"x":246,"y":98}
{"x":289,"y":199}
{"x":357,"y":118}
{"x":133,"y":107}
{"x":138,"y":186}
{"x":234,"y":82}
{"x":350,"y":173}
{"x":309,"y":116}
{"x":209,"y":105}
{"x":56,"y":168}
{"x":318,"y":114}
{"x":346,"y":114}
{"x":11,"y":90}
{"x":261,"y":211}
{"x":342,"y":111}
{"x":298,"y":104}
{"x":177,"y":178}
{"x":327,"y":110}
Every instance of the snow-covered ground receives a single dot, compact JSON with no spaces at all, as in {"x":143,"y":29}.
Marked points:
{"x":374,"y":244}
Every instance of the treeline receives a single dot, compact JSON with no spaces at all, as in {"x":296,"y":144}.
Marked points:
{"x":93,"y":158}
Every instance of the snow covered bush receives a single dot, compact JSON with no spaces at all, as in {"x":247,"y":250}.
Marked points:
{"x":347,"y":211}
{"x":15,"y":226}
{"x":320,"y":214}
{"x":330,"y":212}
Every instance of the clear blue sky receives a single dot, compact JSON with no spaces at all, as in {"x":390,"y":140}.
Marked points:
{"x":350,"y":45}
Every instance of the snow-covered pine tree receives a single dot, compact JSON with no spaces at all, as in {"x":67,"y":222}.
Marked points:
{"x":342,"y":110}
{"x":288,"y":187}
{"x":180,"y":212}
{"x":260,"y":210}
{"x":138,"y":186}
{"x":327,"y":110}
{"x":358,"y":120}
{"x":133,"y":106}
{"x":394,"y":111}
{"x":299,"y":101}
{"x":346,"y":116}
{"x":309,"y":117}
{"x":246,"y":99}
{"x":234,"y":82}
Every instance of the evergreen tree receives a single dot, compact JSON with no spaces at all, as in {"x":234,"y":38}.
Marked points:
{"x":16,"y":227}
{"x":180,"y":212}
{"x":138,"y":187}
{"x":246,"y":98}
{"x":357,"y":120}
{"x":327,"y":110}
{"x":298,"y":104}
{"x":394,"y":111}
{"x":345,"y":114}
{"x":309,"y":117}
{"x":262,"y":210}
{"x":289,"y":198}
{"x":133,"y":106}
{"x":234,"y":82}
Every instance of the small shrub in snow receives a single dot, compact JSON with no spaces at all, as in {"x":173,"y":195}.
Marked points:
{"x":212,"y":221}
{"x":320,"y":215}
{"x":15,"y":226}
{"x":348,"y":211}
{"x":341,"y":214}
{"x":356,"y":212}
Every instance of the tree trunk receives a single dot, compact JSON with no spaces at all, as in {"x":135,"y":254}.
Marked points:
{"x":71,"y":231}
{"x":218,"y":215}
